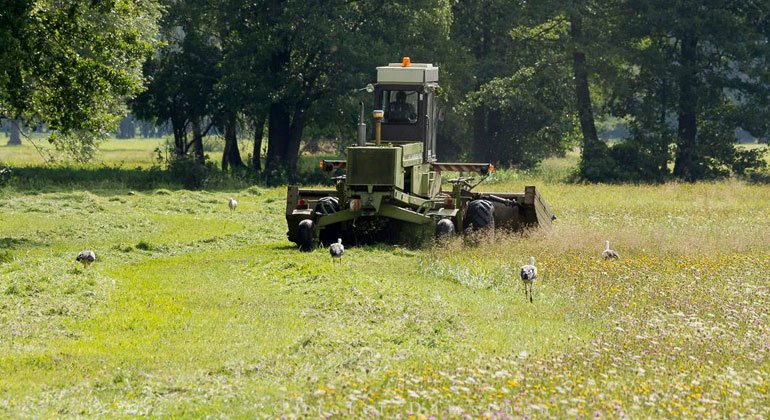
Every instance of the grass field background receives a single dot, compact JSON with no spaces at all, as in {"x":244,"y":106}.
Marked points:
{"x":193,"y":311}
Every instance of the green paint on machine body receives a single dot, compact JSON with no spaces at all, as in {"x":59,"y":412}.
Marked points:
{"x":391,"y":188}
{"x":377,"y":166}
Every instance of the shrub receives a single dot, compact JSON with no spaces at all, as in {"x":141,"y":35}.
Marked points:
{"x":636,"y":160}
{"x":192,"y":174}
{"x":749,"y":160}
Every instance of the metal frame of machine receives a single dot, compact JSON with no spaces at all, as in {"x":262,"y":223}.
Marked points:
{"x":396,"y":177}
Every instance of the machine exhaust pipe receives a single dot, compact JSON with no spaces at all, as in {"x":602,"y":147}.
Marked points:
{"x":377,"y":115}
{"x":361,"y":127}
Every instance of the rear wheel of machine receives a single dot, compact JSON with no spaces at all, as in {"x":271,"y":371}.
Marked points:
{"x":326,"y":206}
{"x":444,"y":229}
{"x":306,"y":234}
{"x":480,"y":215}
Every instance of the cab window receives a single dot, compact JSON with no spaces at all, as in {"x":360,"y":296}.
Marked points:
{"x":400,"y":106}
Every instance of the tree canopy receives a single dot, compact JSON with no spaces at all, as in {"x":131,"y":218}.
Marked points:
{"x":521,"y":81}
{"x":72,"y":64}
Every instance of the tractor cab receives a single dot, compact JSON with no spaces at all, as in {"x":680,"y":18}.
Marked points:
{"x":406,"y":93}
{"x":399,"y":159}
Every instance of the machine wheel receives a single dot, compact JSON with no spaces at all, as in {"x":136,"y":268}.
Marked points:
{"x":445,"y":229}
{"x":327,"y":205}
{"x":306,"y":235}
{"x":480,"y":215}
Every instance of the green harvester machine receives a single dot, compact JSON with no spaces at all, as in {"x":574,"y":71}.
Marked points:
{"x":392,"y":187}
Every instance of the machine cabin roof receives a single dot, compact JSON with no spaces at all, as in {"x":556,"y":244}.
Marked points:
{"x":414,"y":73}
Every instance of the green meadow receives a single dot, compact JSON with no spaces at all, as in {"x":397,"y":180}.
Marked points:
{"x":193,"y":311}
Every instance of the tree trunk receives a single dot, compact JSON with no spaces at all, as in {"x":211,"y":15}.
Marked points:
{"x":231,"y":155}
{"x":197,"y":140}
{"x":126,"y":129}
{"x":595,"y":156}
{"x":298,"y":123}
{"x":15,"y":135}
{"x":685,"y":165}
{"x":665,"y":141}
{"x":480,"y":135}
{"x":179,"y":127}
{"x":259,"y":131}
{"x":496,"y":147}
{"x":480,"y":143}
{"x":280,"y":120}
{"x":277,"y":135}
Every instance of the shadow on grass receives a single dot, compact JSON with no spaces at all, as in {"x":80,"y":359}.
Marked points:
{"x":70,"y":178}
{"x":11,"y":243}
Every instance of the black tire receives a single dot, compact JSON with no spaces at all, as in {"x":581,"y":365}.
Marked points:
{"x":445,"y":229}
{"x":327,"y":205}
{"x":306,"y":235}
{"x":480,"y":215}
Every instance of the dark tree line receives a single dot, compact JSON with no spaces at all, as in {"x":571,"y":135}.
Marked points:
{"x":521,"y":80}
{"x":684,"y":76}
{"x":273,"y":68}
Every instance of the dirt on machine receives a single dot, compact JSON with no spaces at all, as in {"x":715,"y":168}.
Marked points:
{"x":390,"y":186}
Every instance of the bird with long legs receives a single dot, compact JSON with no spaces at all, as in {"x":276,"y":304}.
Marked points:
{"x":528,"y":276}
{"x":609,"y":254}
{"x":86,"y":258}
{"x":336,"y":250}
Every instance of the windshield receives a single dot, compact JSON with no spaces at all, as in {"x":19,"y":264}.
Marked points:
{"x":400,"y":106}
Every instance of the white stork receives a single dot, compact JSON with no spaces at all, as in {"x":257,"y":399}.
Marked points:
{"x":609,"y":254}
{"x":336,"y":250}
{"x":528,"y":275}
{"x":86,"y":258}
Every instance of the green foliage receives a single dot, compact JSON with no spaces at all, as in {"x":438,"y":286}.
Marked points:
{"x":536,"y":119}
{"x":518,"y":78}
{"x":72,"y":64}
{"x":690,"y":75}
{"x":749,"y":161}
{"x":632,"y":160}
{"x":191,"y":174}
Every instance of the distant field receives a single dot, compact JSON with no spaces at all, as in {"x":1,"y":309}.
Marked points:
{"x":130,"y":153}
{"x":191,"y":311}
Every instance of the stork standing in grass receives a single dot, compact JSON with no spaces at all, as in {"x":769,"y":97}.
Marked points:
{"x":86,"y":258}
{"x":336,"y":251}
{"x":609,"y":254}
{"x":232,"y":204}
{"x":528,"y":275}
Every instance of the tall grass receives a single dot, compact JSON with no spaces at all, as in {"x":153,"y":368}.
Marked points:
{"x":192,"y":311}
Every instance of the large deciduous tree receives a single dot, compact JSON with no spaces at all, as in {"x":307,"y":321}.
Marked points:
{"x":580,"y":37}
{"x":528,"y":66}
{"x":698,"y":71}
{"x":182,"y":76}
{"x":72,"y":64}
{"x":319,"y":49}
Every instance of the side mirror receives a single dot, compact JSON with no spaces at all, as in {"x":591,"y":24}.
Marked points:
{"x":369,"y":88}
